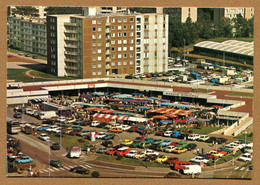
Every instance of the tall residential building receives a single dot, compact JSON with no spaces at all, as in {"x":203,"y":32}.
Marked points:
{"x":191,"y":12}
{"x":28,"y":34}
{"x":231,"y":13}
{"x":100,"y":45}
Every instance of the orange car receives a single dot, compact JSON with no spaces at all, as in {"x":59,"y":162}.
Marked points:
{"x":116,"y":130}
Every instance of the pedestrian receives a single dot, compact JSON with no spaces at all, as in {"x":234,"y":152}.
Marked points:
{"x":213,"y":143}
{"x":202,"y":150}
{"x":198,"y":150}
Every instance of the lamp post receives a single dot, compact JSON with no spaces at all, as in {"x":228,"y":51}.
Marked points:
{"x":184,"y":49}
{"x":49,"y":158}
{"x":245,"y":136}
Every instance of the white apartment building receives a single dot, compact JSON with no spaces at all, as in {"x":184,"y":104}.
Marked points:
{"x":191,"y":12}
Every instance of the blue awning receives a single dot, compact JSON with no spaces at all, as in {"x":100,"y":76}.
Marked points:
{"x":98,"y":93}
{"x":122,"y":96}
{"x":166,"y":121}
{"x":174,"y":105}
{"x":138,"y":94}
{"x":145,"y":108}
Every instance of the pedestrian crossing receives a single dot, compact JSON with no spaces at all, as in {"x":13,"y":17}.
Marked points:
{"x":239,"y":168}
{"x":64,"y":168}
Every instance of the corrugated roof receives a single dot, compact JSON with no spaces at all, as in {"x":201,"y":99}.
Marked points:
{"x":232,"y":46}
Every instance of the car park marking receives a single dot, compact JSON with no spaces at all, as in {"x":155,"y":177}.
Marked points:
{"x":236,"y":168}
{"x":247,"y":169}
{"x":242,"y":168}
{"x":71,"y":166}
{"x":50,"y":169}
{"x":88,"y":166}
{"x":45,"y":170}
{"x":66,"y":167}
{"x":62,"y":168}
{"x":56,"y":169}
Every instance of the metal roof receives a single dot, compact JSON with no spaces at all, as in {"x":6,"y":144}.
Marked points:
{"x":232,"y":46}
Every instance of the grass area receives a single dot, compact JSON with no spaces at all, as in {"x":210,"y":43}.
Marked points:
{"x":18,"y":51}
{"x":128,"y":161}
{"x":225,"y":158}
{"x":249,"y":137}
{"x":202,"y":91}
{"x":203,"y":130}
{"x":19,"y":75}
{"x":240,"y":94}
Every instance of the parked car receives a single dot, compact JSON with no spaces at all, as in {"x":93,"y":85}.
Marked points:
{"x":61,"y":119}
{"x":55,"y":146}
{"x":44,"y":137}
{"x":179,"y":150}
{"x":245,"y":157}
{"x":193,"y":137}
{"x":127,"y":142}
{"x":24,"y":159}
{"x":151,"y":152}
{"x":94,"y":123}
{"x":122,"y":151}
{"x":27,"y":55}
{"x":221,"y":140}
{"x":191,"y":146}
{"x":167,"y":133}
{"x":102,"y":150}
{"x":131,"y":154}
{"x":132,"y":129}
{"x":135,"y":143}
{"x":169,"y":149}
{"x":83,"y":133}
{"x":203,"y":138}
{"x":116,"y":130}
{"x":111,"y":151}
{"x":161,"y":158}
{"x":107,"y":143}
{"x":211,"y":139}
{"x":56,"y":163}
{"x":101,"y":135}
{"x":171,"y":160}
{"x":199,"y":159}
{"x":191,"y":169}
{"x":109,"y":136}
{"x":179,"y":165}
{"x":51,"y":128}
{"x":80,"y":169}
{"x":17,"y":115}
{"x":172,"y":175}
{"x":125,"y":127}
{"x":86,"y":146}
{"x":34,"y":57}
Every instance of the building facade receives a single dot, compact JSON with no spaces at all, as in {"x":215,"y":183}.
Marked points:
{"x":191,"y":12}
{"x":28,"y":34}
{"x":101,"y":45}
{"x":41,"y":11}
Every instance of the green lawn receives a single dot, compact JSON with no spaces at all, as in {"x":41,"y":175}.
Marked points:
{"x":202,"y":91}
{"x":19,"y":75}
{"x":203,"y":130}
{"x":129,"y":161}
{"x":240,"y":94}
{"x":249,"y":137}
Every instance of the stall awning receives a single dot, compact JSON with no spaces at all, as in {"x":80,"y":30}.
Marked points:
{"x":160,"y":117}
{"x":180,"y":121}
{"x":137,"y":119}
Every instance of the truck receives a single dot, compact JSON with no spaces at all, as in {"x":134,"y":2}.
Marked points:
{"x":75,"y":152}
{"x":191,"y":169}
{"x":195,"y":76}
{"x":223,"y":80}
{"x":47,"y":114}
{"x":200,"y":61}
{"x":183,"y":78}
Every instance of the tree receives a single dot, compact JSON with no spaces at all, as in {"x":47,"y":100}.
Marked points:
{"x":242,"y":26}
{"x":205,"y":26}
{"x":95,"y":174}
{"x":224,"y":28}
{"x":200,"y":124}
{"x":251,"y":27}
{"x":25,"y":10}
{"x":52,"y":10}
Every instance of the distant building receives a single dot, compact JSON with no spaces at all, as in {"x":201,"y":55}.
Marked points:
{"x":28,"y":34}
{"x":231,"y":13}
{"x":41,"y":11}
{"x":191,"y":12}
{"x":99,"y":45}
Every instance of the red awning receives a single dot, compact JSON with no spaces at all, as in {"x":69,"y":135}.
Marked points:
{"x":180,"y":121}
{"x":160,"y":117}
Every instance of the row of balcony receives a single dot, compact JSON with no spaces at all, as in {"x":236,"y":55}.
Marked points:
{"x":70,"y":53}
{"x":71,"y":38}
{"x":70,"y":46}
{"x":70,"y":60}
{"x":70,"y":24}
{"x":71,"y":68}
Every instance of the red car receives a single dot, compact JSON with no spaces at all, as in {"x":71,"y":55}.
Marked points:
{"x":174,"y":143}
{"x":89,"y":135}
{"x":132,"y":129}
{"x":123,"y":151}
{"x":140,"y":138}
{"x":171,"y":160}
{"x":179,"y":165}
{"x":74,"y":132}
{"x":9,"y":56}
{"x":111,"y":151}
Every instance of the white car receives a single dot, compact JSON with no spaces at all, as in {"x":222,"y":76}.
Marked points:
{"x":101,"y":135}
{"x":139,"y":155}
{"x":94,"y":123}
{"x":193,"y":137}
{"x":167,"y":133}
{"x":199,"y":159}
{"x":51,"y":128}
{"x":203,"y":137}
{"x":61,"y":119}
{"x":44,"y":137}
{"x":151,"y":152}
{"x":70,"y":120}
{"x":125,"y":127}
{"x":169,"y":148}
{"x":57,"y":130}
{"x":246,"y":157}
{"x":131,"y":154}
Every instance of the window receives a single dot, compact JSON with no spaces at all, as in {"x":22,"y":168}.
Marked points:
{"x":131,"y":41}
{"x":99,"y":36}
{"x":119,"y":34}
{"x":131,"y":48}
{"x":113,"y":56}
{"x":125,"y":41}
{"x":146,"y":34}
{"x":113,"y":64}
{"x":131,"y":55}
{"x":94,"y":73}
{"x":125,"y":63}
{"x":112,"y":41}
{"x":131,"y":62}
{"x":99,"y":29}
{"x":94,"y":43}
{"x":146,"y":27}
{"x":119,"y":49}
{"x":99,"y":66}
{"x":99,"y":50}
{"x":131,"y":34}
{"x":113,"y":34}
{"x":125,"y":19}
{"x":113,"y":20}
{"x":124,"y":34}
{"x":112,"y":27}
{"x":94,"y":22}
{"x":99,"y":72}
{"x":119,"y":63}
{"x":146,"y":48}
{"x":125,"y":27}
{"x":93,"y":36}
{"x":99,"y":58}
{"x":93,"y":29}
{"x":146,"y":19}
{"x":99,"y":44}
{"x":163,"y":25}
{"x":119,"y":56}
{"x":146,"y":55}
{"x":146,"y":41}
{"x":99,"y":21}
{"x":125,"y":56}
{"x":94,"y":58}
{"x":119,"y":20}
{"x":119,"y":41}
{"x":119,"y":27}
{"x":163,"y":18}
{"x":124,"y":48}
{"x":155,"y":20}
{"x":131,"y":27}
{"x":94,"y":65}
{"x":94,"y":51}
{"x":131,"y":19}
{"x":112,"y":49}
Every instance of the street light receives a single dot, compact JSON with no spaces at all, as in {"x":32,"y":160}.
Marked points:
{"x":245,"y":136}
{"x":184,"y":49}
{"x":49,"y":158}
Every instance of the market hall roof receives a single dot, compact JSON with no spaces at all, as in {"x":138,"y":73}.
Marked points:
{"x":232,"y":46}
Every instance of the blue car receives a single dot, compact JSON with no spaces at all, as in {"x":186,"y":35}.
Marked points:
{"x":78,"y":122}
{"x":24,"y":159}
{"x":43,"y":128}
{"x":18,"y":115}
{"x":83,"y":133}
{"x":148,"y":140}
{"x":166,"y":142}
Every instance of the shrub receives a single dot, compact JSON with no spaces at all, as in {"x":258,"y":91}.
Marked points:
{"x":95,"y":174}
{"x":81,"y":140}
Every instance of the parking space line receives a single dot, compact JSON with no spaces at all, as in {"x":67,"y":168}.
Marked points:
{"x":236,"y":168}
{"x":71,"y":166}
{"x":66,"y":167}
{"x":242,"y":168}
{"x":51,"y":170}
{"x":56,"y":169}
{"x":88,"y":166}
{"x":45,"y":170}
{"x":62,"y":168}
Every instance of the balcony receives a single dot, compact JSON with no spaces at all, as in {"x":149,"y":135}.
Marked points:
{"x":107,"y":45}
{"x":108,"y":59}
{"x":70,"y":24}
{"x":71,"y":38}
{"x":108,"y":23}
{"x":138,"y":36}
{"x":71,"y":68}
{"x":107,"y":31}
{"x":138,"y":50}
{"x":107,"y":52}
{"x":72,"y":74}
{"x":138,"y":43}
{"x":70,"y":46}
{"x":108,"y":67}
{"x":70,"y":31}
{"x":138,"y":57}
{"x":70,"y":60}
{"x":70,"y":53}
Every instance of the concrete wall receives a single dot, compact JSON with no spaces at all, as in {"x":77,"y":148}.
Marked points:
{"x":238,"y":131}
